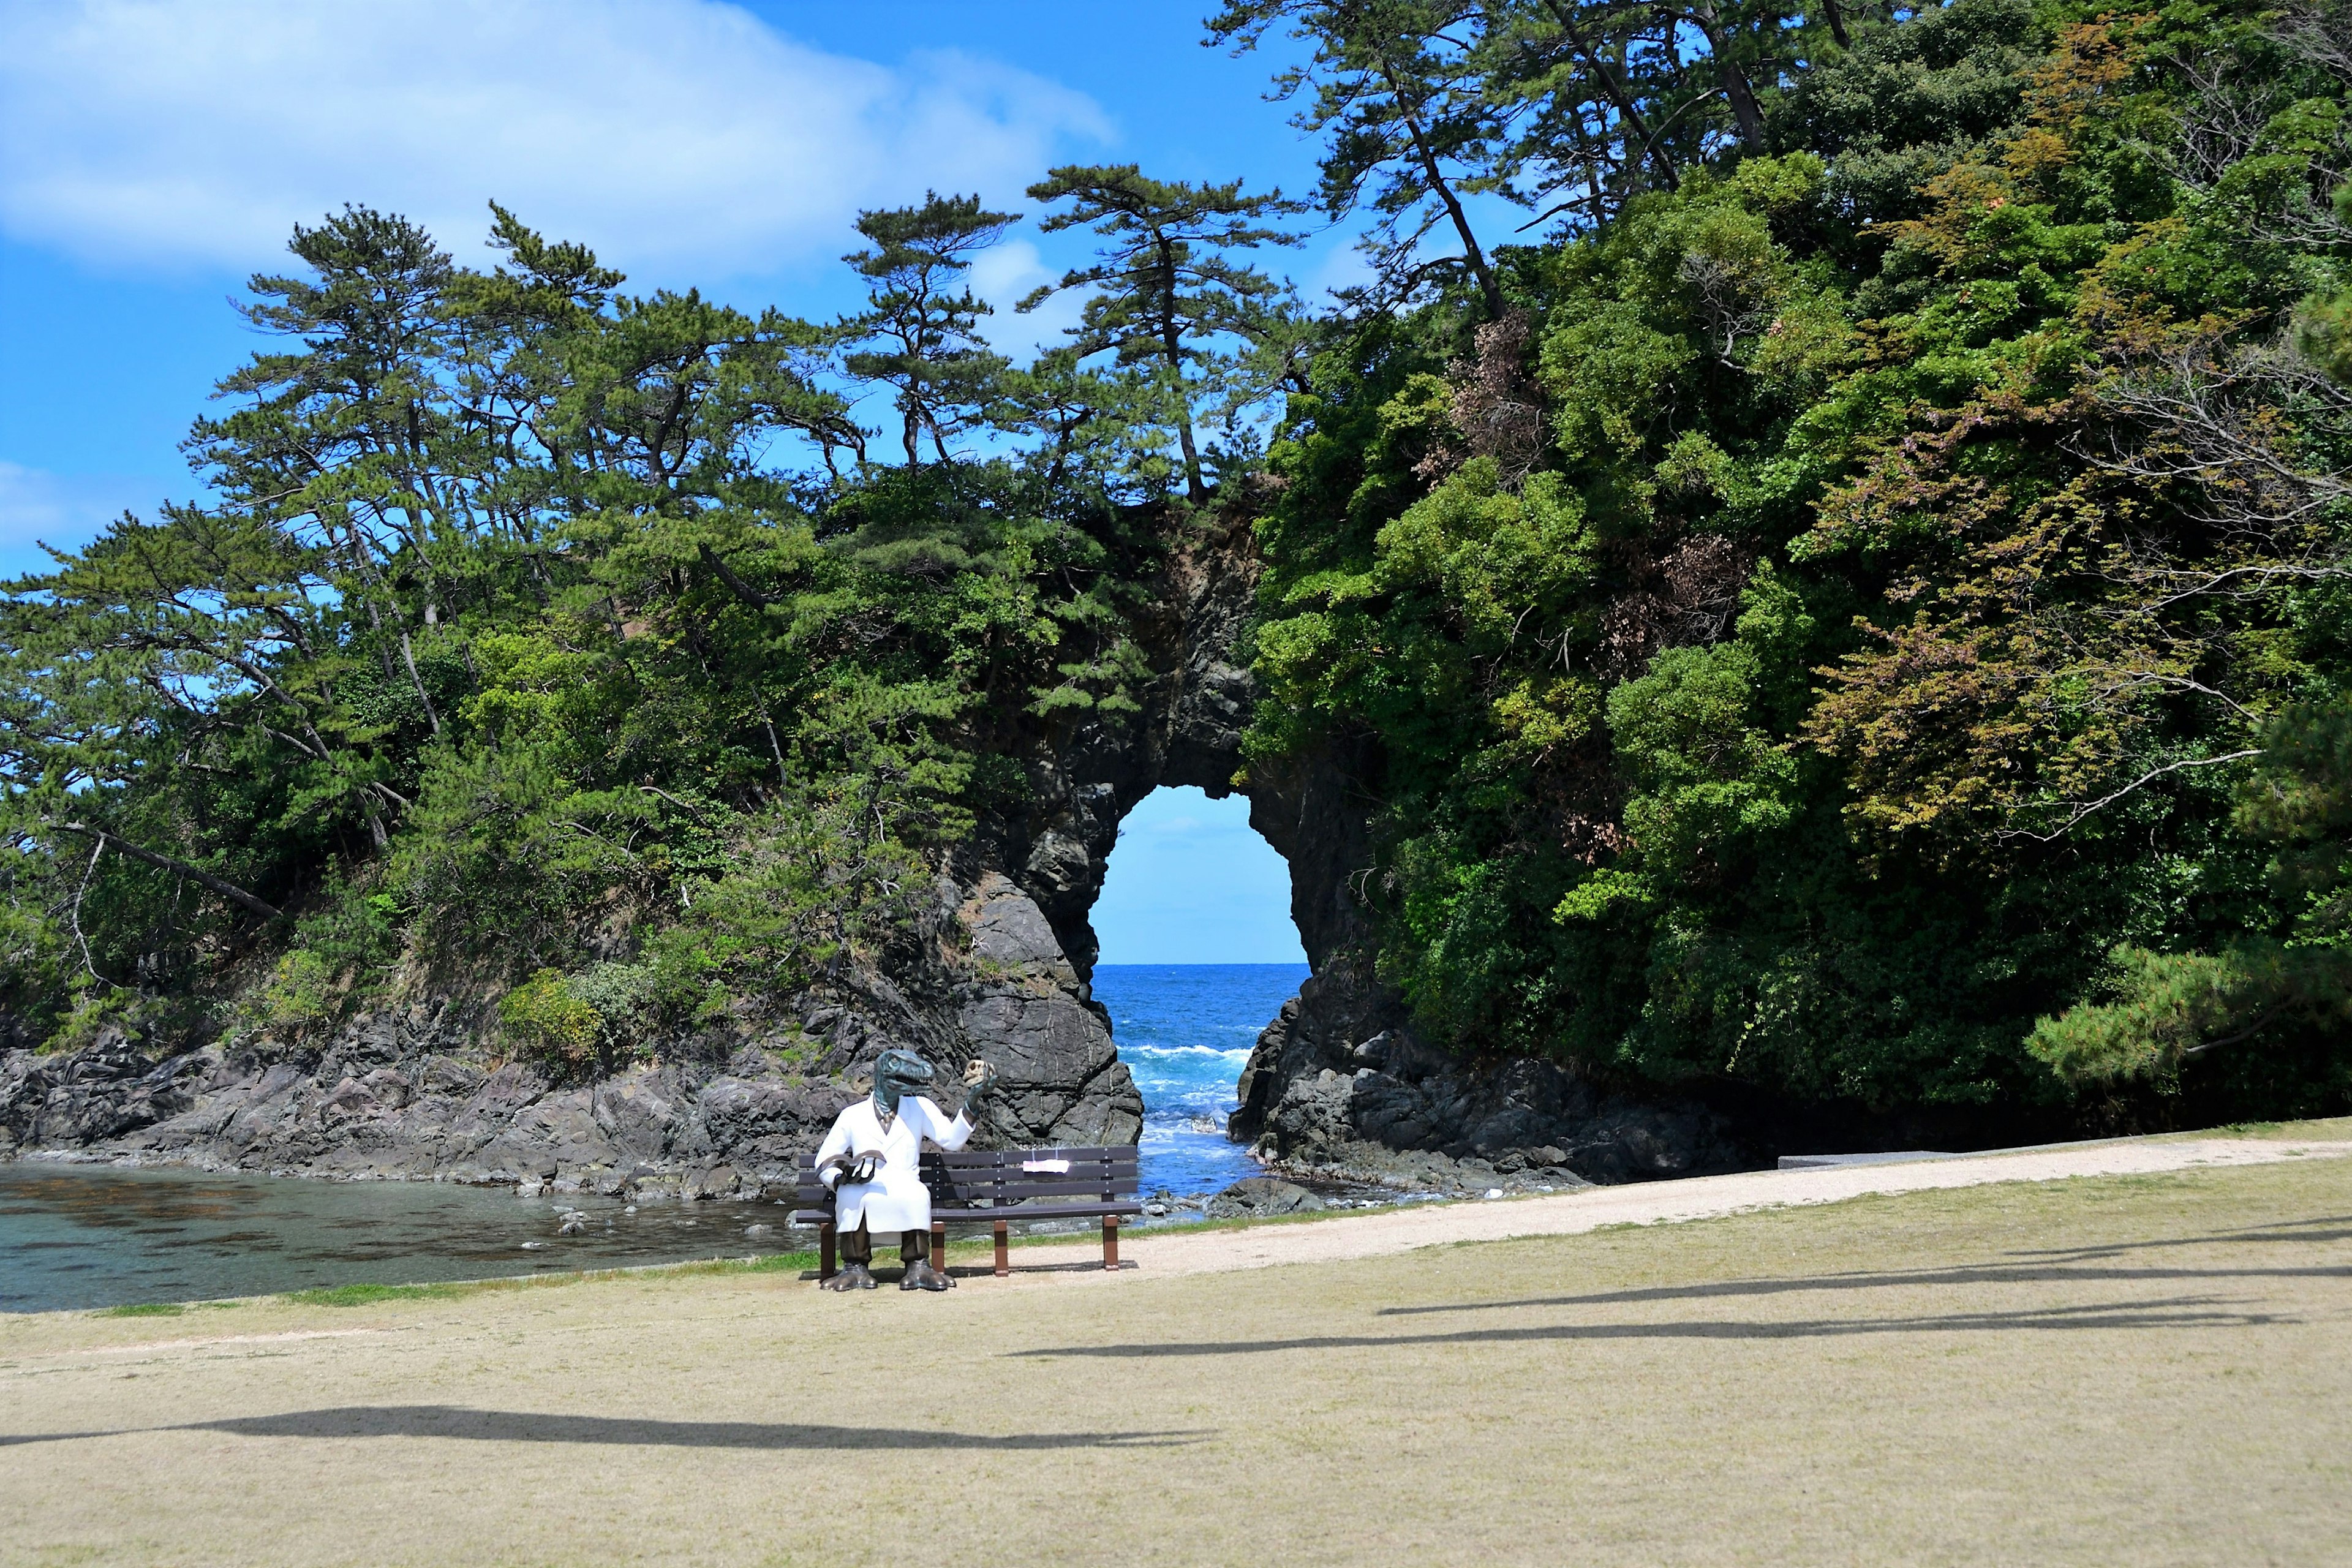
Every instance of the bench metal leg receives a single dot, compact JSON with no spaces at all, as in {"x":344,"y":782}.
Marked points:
{"x":940,"y":1245}
{"x":1003,"y":1250}
{"x":824,"y":1268}
{"x":1110,"y":1241}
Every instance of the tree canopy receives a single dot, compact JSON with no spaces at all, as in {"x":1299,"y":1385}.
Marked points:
{"x":1843,"y":596}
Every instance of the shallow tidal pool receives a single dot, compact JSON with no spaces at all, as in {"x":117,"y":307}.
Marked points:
{"x":100,"y":1235}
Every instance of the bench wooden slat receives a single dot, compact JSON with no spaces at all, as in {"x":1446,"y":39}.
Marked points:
{"x":1026,"y":1178}
{"x":1012,"y":1182}
{"x":988,"y":1216}
{"x":1012,"y":1212}
{"x":1014,"y":1156}
{"x":1044,"y":1211}
{"x":1011,"y":1159}
{"x":941,"y":1189}
{"x":938,"y":1181}
{"x":1009,"y":1191}
{"x":979,"y":1181}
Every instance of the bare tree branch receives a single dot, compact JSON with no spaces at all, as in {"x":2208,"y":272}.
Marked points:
{"x":2085,"y":808}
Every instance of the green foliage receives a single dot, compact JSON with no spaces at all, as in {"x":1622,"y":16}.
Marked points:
{"x":1168,"y":293}
{"x":86,"y":1017}
{"x":2163,"y":1010}
{"x":549,"y":1022}
{"x":1408,"y":122}
{"x":369,"y":1295}
{"x":297,"y":996}
{"x":1854,"y":609}
{"x":806,"y":889}
{"x":915,"y":336}
{"x":1828,"y":605}
{"x":2169,"y":1008}
{"x":514,"y":639}
{"x":343,"y":950}
{"x":1706,"y":782}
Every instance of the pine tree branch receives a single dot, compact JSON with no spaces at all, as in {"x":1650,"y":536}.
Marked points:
{"x":728,"y":574}
{"x":202,"y":878}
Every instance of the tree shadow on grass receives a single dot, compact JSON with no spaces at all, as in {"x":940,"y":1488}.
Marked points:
{"x":2180,"y":1312}
{"x":532,"y":1426}
{"x":1958,"y":1274}
{"x":2304,"y":1230}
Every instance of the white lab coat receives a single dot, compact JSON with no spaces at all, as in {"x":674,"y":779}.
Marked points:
{"x":895,"y":1199}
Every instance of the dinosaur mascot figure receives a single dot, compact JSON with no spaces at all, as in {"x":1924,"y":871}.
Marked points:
{"x":872,"y":1161}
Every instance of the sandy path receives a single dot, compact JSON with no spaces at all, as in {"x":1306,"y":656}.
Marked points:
{"x":1176,"y":1252}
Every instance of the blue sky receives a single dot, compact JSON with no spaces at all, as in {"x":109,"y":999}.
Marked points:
{"x":154,"y":153}
{"x":1191,"y":882}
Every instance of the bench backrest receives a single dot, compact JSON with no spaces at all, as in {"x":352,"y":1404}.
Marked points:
{"x":996,"y":1178}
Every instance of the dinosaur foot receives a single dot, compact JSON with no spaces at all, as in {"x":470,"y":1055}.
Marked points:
{"x":921,"y":1276}
{"x":856,"y":1277}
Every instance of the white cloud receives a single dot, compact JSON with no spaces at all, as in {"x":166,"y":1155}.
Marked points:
{"x":1343,"y":265}
{"x":64,"y":510}
{"x":1004,"y":275}
{"x":661,"y":132}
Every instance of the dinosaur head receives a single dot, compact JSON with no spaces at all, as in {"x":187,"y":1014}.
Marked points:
{"x":894,"y":1073}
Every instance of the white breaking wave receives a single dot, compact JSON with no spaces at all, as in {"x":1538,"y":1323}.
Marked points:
{"x":1149,"y":1052}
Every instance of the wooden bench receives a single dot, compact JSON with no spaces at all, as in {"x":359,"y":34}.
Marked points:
{"x":995,"y":1187}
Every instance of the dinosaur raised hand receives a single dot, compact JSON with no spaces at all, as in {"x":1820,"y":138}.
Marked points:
{"x":979,"y":1082}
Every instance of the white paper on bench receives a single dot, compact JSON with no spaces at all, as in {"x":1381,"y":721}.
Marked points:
{"x":1059,"y":1167}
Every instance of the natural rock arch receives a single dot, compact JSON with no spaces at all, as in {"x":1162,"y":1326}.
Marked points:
{"x":1001,"y":966}
{"x":1340,"y":1078}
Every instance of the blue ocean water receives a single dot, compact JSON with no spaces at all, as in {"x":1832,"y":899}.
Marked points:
{"x":1184,"y":1030}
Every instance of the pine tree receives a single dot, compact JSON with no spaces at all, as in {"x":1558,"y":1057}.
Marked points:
{"x":1412,"y":130}
{"x":1168,"y":289}
{"x":918,"y":338}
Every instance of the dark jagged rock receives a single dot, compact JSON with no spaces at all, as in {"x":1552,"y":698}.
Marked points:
{"x":404,"y":1093}
{"x":1059,"y":1077}
{"x":1340,"y":1083}
{"x":1257,"y":1195}
{"x":1340,"y":1078}
{"x":106,"y":1090}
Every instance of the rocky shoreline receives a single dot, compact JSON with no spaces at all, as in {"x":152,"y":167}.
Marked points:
{"x":1340,"y":1087}
{"x":1339,"y":1093}
{"x":413,"y":1094}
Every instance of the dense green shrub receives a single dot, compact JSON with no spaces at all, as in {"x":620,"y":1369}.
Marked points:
{"x":1878,"y":634}
{"x":549,"y":1021}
